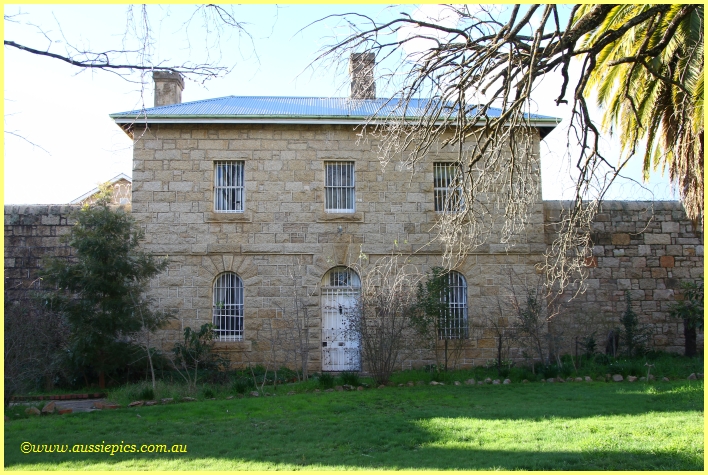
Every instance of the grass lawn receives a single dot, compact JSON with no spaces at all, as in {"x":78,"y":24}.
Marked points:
{"x":537,"y":426}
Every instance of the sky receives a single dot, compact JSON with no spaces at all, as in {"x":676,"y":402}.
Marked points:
{"x":60,"y":142}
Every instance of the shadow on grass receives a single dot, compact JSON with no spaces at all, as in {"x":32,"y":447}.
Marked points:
{"x":382,"y":429}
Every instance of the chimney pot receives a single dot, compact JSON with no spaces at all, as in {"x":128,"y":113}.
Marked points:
{"x":361,"y":70}
{"x":168,"y":88}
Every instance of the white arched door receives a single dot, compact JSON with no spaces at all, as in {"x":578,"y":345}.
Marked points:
{"x":340,"y":340}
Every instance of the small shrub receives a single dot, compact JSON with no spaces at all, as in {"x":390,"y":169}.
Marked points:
{"x":208,"y":393}
{"x":550,"y":371}
{"x":146,"y":394}
{"x":326,"y":381}
{"x":242,"y":385}
{"x":350,"y":377}
{"x":634,"y":335}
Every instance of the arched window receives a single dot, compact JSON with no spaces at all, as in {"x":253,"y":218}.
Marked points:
{"x":341,"y":278}
{"x":228,"y":307}
{"x":340,"y":340}
{"x":453,"y":322}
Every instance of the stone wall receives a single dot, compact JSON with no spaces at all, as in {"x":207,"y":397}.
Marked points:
{"x":33,"y":232}
{"x":644,"y":248}
{"x":284,"y":242}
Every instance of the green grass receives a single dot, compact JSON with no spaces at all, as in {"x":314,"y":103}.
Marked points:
{"x":572,"y":426}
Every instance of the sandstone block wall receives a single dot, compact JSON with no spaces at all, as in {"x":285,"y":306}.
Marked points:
{"x":33,"y":232}
{"x":284,"y":224}
{"x":644,"y":248}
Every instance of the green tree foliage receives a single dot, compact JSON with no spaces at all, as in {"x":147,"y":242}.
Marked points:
{"x":101,"y":292}
{"x":690,"y":310}
{"x":634,"y":335}
{"x":649,"y":81}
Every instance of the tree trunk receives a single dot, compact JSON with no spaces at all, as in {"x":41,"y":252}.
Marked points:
{"x":689,"y":334}
{"x":102,"y":379}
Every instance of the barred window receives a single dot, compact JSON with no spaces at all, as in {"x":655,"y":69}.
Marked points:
{"x":228,"y":307}
{"x":228,"y":186}
{"x":339,"y":187}
{"x":453,"y":321}
{"x":447,"y":187}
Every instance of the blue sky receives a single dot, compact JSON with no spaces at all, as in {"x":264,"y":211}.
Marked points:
{"x":65,"y":112}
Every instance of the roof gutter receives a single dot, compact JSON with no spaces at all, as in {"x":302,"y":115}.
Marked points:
{"x":321,"y":120}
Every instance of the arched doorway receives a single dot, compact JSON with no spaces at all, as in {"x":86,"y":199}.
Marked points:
{"x":340,"y":340}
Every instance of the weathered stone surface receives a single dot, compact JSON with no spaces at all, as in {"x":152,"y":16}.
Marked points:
{"x":339,"y":388}
{"x":496,"y":381}
{"x":617,"y":378}
{"x":631,"y":379}
{"x":150,"y":403}
{"x":457,"y":383}
{"x":507,"y":381}
{"x":49,"y":408}
{"x":692,"y":377}
{"x":588,"y":379}
{"x":470,"y":381}
{"x":33,"y":411}
{"x":136,"y":404}
{"x":665,"y":379}
{"x":488,"y":380}
{"x":166,"y":400}
{"x":360,"y":388}
{"x":65,"y":410}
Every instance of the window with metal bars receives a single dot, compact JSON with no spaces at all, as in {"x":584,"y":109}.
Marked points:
{"x":228,"y":307}
{"x":228,"y":186}
{"x":453,"y":321}
{"x":446,"y":187}
{"x":339,"y":187}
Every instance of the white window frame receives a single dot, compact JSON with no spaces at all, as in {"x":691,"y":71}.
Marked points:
{"x":227,"y":307}
{"x":340,"y":187}
{"x":454,"y":323}
{"x":447,"y":191}
{"x":229,"y":190}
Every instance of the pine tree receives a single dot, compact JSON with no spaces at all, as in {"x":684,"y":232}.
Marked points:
{"x":101,"y":292}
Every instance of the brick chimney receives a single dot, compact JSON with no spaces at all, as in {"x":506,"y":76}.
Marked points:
{"x":361,"y":70}
{"x":168,"y":88}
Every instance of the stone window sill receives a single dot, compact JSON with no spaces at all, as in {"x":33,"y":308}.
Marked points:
{"x":211,"y":217}
{"x":323,"y":217}
{"x":232,"y":346}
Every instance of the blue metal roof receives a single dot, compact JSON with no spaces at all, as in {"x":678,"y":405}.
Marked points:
{"x":262,"y":107}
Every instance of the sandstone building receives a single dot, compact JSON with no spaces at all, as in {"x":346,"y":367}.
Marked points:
{"x":262,"y":201}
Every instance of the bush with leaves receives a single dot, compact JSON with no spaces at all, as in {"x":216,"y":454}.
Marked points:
{"x":195,"y":353}
{"x":690,"y":310}
{"x":434,"y":321}
{"x":102,"y":291}
{"x":634,"y":336}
